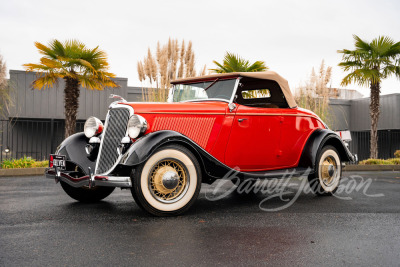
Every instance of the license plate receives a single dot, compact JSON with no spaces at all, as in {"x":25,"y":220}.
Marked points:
{"x":57,"y":161}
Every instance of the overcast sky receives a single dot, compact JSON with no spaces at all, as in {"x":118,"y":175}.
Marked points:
{"x":290,"y":36}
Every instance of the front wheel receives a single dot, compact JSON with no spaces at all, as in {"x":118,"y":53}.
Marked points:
{"x":328,"y":172}
{"x":168,"y":183}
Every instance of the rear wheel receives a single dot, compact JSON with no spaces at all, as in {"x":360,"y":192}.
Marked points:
{"x":84,"y":194}
{"x":328,"y":172}
{"x":168,"y":183}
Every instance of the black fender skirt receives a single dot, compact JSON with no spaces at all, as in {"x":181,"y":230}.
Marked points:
{"x":318,"y":139}
{"x":73,"y":148}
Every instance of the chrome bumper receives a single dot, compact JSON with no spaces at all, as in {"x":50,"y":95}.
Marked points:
{"x":88,"y":180}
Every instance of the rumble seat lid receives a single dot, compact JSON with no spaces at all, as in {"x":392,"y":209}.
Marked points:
{"x":265,"y":75}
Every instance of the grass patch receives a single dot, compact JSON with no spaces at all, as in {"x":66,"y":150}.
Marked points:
{"x":395,"y":161}
{"x":25,"y":162}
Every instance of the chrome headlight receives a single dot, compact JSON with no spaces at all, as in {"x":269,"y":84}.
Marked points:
{"x":137,"y":125}
{"x":93,"y":126}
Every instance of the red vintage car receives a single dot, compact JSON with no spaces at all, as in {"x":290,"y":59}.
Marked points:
{"x":211,"y":125}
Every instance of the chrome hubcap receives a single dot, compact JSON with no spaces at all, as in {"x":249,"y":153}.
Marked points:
{"x":170,"y":179}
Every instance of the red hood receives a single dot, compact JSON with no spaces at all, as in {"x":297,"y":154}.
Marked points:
{"x":200,"y":121}
{"x":206,"y":107}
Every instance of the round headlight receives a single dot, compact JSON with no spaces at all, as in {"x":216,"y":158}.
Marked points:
{"x":93,"y":126}
{"x":137,"y":125}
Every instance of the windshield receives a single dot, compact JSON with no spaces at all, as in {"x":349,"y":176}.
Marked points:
{"x":215,"y":89}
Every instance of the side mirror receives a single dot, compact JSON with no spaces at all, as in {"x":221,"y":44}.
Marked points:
{"x":231,"y":106}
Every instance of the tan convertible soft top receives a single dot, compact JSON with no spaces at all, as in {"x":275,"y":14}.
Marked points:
{"x":265,"y":75}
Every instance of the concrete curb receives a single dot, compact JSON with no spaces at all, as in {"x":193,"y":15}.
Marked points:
{"x":371,"y":168}
{"x":22,"y":172}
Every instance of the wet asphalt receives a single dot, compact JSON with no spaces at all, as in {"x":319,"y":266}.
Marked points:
{"x":285,"y":225}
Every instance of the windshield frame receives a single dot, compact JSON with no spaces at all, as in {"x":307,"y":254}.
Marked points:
{"x":171,"y":92}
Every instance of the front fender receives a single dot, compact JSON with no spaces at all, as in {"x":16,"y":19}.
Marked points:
{"x":73,"y":148}
{"x":145,"y":146}
{"x":316,"y":141}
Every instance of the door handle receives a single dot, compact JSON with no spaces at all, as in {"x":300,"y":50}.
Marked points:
{"x":240,"y":120}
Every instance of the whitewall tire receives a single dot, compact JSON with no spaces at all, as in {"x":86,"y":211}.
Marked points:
{"x":168,"y":183}
{"x":327,"y":173}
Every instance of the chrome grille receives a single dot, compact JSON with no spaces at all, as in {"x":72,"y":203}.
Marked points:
{"x":115,"y":129}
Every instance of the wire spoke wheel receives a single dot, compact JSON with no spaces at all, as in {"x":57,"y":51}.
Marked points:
{"x":168,"y":180}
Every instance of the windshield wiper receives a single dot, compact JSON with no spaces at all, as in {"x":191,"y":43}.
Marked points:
{"x":216,"y":80}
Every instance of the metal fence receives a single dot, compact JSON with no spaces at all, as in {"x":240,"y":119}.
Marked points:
{"x":388,"y":143}
{"x":36,"y":138}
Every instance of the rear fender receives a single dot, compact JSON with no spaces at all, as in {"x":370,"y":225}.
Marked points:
{"x":317,"y":140}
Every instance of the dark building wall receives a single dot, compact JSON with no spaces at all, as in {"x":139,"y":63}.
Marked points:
{"x":354,"y":114}
{"x":389,"y":117}
{"x":49,"y":103}
{"x":36,"y":138}
{"x":134,"y":94}
{"x":340,"y":111}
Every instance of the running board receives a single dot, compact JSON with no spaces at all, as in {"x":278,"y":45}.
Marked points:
{"x":277,"y":174}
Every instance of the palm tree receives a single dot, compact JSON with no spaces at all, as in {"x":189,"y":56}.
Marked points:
{"x":369,"y":64}
{"x":78,"y":66}
{"x":234,"y":63}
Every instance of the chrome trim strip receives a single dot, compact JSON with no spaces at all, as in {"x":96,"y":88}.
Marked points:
{"x":205,"y":100}
{"x":117,"y":181}
{"x":235,"y":89}
{"x":112,"y":106}
{"x":276,"y":114}
{"x":188,"y":113}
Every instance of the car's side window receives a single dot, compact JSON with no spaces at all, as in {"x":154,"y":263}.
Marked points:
{"x":260,"y":93}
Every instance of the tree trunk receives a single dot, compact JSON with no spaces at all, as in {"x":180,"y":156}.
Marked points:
{"x":71,"y":97}
{"x":374,"y":113}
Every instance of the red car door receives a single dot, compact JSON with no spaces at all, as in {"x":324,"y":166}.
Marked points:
{"x":253,"y":144}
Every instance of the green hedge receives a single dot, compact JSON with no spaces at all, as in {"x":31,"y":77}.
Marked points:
{"x":25,"y":162}
{"x":395,"y":161}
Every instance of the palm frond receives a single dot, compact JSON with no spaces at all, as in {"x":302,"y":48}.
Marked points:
{"x":235,"y":63}
{"x":45,"y":50}
{"x":360,"y":44}
{"x":381,"y":45}
{"x":71,"y":59}
{"x":45,"y":80}
{"x":50,"y":63}
{"x":57,"y":47}
{"x":96,"y":83}
{"x":370,"y":62}
{"x":35,"y":67}
{"x":220,"y":69}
